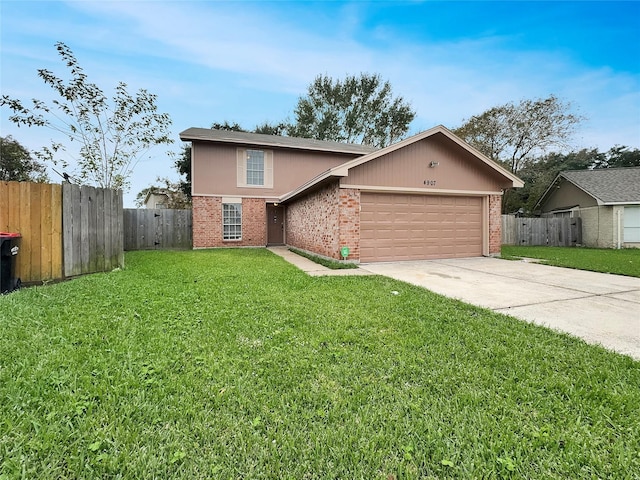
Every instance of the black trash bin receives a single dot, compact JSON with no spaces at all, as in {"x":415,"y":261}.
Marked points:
{"x":8,"y":251}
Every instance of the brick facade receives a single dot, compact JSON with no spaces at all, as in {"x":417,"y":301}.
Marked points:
{"x":207,"y":223}
{"x":495,"y":224}
{"x":349,"y":211}
{"x":312,"y":223}
{"x":322,"y":222}
{"x":325,"y":221}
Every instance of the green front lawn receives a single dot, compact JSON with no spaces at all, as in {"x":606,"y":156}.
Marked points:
{"x":234,"y":364}
{"x":621,"y":262}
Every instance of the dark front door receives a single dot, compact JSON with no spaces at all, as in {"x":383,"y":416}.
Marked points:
{"x":275,"y":224}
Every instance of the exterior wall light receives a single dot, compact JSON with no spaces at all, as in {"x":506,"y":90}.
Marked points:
{"x":434,"y":164}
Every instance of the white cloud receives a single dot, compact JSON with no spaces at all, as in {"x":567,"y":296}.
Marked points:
{"x":248,"y":62}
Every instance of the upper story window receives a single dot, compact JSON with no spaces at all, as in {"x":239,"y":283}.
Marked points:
{"x":255,"y":168}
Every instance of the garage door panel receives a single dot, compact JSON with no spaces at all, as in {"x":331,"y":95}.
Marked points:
{"x":408,"y":227}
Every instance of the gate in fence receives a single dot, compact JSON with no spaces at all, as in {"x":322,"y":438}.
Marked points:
{"x":549,"y":231}
{"x":155,"y":229}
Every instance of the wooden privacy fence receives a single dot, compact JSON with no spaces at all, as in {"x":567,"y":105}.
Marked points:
{"x":66,"y":229}
{"x":92,"y":229}
{"x":549,"y":231}
{"x":35,"y":211}
{"x":149,"y":229}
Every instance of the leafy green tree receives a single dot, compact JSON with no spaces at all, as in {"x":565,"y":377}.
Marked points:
{"x":231,"y":127}
{"x":176,"y":198}
{"x":513,"y":134}
{"x":539,"y":173}
{"x":266,"y":128}
{"x":183,"y":166}
{"x":112,"y":134}
{"x":16,"y":163}
{"x":619,"y":156}
{"x":354,"y":110}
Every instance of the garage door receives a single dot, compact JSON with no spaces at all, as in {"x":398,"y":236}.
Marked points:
{"x":397,"y":227}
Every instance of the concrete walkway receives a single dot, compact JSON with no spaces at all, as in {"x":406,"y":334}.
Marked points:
{"x":597,"y":307}
{"x":312,"y":268}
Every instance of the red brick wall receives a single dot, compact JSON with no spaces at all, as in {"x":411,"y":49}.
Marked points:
{"x":207,"y":223}
{"x":325,"y":221}
{"x":312,"y":223}
{"x":495,"y":224}
{"x":349,"y":211}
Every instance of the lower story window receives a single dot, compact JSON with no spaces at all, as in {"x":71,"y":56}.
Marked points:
{"x":232,"y":221}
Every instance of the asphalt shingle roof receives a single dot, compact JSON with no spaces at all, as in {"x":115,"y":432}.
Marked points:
{"x":225,"y":136}
{"x":609,"y":185}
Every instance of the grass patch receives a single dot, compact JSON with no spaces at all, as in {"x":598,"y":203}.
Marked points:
{"x":234,"y":364}
{"x":332,"y":264}
{"x":621,"y":262}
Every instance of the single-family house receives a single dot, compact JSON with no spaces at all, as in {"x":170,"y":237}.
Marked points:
{"x":607,"y":200}
{"x":156,"y":198}
{"x":428,"y":196}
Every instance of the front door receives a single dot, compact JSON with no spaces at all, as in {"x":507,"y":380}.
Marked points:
{"x":275,"y":224}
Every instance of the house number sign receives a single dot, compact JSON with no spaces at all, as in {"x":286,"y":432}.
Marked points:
{"x":430,"y":183}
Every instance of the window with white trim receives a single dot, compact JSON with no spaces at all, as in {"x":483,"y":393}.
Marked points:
{"x":232,"y":221}
{"x":255,"y":168}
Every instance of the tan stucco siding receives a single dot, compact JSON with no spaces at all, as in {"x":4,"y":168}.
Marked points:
{"x":215,"y":170}
{"x":568,"y":195}
{"x":410,"y":168}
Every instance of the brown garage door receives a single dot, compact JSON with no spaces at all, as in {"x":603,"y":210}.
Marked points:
{"x":411,"y":227}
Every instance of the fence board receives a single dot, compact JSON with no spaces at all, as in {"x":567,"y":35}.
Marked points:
{"x":30,"y":209}
{"x":150,"y":229}
{"x":35,"y":205}
{"x":93,"y":229}
{"x":66,"y":230}
{"x":56,"y":232}
{"x":45,"y":230}
{"x":551,"y":231}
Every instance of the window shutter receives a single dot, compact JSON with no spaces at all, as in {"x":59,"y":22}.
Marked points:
{"x":268,"y":169}
{"x":241,"y":156}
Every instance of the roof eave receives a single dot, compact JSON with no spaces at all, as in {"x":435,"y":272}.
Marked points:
{"x":317,"y":180}
{"x":238,"y":141}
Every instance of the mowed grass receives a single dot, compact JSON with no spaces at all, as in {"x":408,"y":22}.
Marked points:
{"x":621,"y":262}
{"x":233,"y":364}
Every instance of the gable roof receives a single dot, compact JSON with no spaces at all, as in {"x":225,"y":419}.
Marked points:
{"x":609,"y":186}
{"x":343,"y":170}
{"x":274,"y":141}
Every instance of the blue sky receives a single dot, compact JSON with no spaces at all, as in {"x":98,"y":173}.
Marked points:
{"x":248,"y":62}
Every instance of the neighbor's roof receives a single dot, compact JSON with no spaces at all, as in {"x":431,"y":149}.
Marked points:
{"x":245,"y":138}
{"x":609,"y":186}
{"x":343,"y":170}
{"x":157,"y":191}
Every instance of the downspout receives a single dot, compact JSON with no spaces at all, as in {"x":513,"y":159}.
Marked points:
{"x":618,"y":211}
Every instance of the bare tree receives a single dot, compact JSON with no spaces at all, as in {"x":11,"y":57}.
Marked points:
{"x":513,"y":133}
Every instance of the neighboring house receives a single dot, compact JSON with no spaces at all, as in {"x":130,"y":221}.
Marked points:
{"x":607,"y":200}
{"x":428,"y":196}
{"x":158,"y":198}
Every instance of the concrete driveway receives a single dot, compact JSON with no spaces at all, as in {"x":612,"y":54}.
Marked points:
{"x":597,"y":307}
